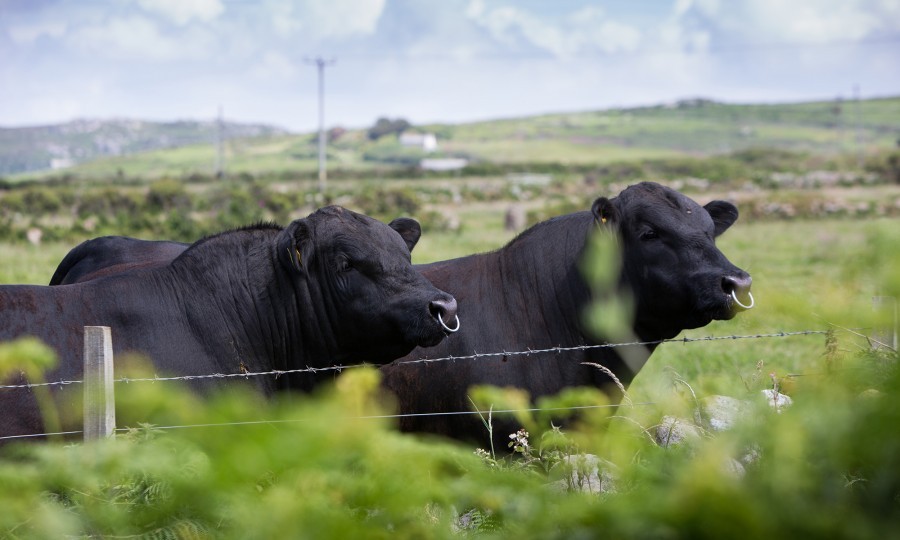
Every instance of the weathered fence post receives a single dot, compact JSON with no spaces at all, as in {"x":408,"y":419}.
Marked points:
{"x":99,"y":398}
{"x":885,"y":335}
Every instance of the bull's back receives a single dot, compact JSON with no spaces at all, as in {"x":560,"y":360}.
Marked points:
{"x":108,"y":255}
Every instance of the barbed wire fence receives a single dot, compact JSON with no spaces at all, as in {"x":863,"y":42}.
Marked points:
{"x":105,"y":404}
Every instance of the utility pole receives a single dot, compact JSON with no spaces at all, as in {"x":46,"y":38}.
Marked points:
{"x":859,"y":146}
{"x":220,"y":135}
{"x":321,"y":64}
{"x":838,"y":124}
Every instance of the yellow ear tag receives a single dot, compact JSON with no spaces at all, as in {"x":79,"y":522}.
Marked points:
{"x":603,"y":220}
{"x":299,"y":259}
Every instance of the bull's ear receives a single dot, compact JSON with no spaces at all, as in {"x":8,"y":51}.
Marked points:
{"x":605,"y":213}
{"x":293,"y":246}
{"x":409,"y":230}
{"x":723,"y":214}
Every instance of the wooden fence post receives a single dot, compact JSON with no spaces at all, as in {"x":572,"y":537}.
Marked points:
{"x":885,"y":335}
{"x":99,"y":398}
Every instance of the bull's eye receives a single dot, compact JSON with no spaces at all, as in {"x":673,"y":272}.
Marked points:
{"x":649,"y":234}
{"x":343,"y":265}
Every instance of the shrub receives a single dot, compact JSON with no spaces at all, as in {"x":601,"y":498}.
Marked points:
{"x":108,"y":202}
{"x":35,"y":201}
{"x":386,"y":126}
{"x":387,"y":204}
{"x":235,"y":206}
{"x":167,"y":194}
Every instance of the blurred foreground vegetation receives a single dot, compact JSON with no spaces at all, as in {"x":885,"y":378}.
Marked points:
{"x":828,"y":466}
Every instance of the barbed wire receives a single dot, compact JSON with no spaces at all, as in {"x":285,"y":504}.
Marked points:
{"x":32,"y":435}
{"x":359,"y":417}
{"x":574,"y":348}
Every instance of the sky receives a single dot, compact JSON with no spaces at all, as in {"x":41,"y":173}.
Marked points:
{"x":430,"y":60}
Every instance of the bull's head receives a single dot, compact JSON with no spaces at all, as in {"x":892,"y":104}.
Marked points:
{"x":358,"y":270}
{"x":671,"y":266}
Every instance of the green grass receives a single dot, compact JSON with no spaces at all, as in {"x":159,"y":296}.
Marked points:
{"x":25,"y":263}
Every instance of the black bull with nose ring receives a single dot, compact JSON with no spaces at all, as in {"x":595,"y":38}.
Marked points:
{"x":336,"y":287}
{"x":530,"y":295}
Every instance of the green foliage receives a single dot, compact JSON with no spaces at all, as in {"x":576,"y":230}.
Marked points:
{"x":108,"y":201}
{"x":35,"y":200}
{"x":324,"y":467}
{"x":28,"y":356}
{"x":166,"y":195}
{"x":387,"y":204}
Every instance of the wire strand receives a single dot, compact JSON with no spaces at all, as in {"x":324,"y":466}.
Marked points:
{"x":280,"y":372}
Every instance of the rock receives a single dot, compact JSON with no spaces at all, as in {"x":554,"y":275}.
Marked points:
{"x":674,"y":431}
{"x":720,"y":413}
{"x":777,"y":400}
{"x":869,"y":393}
{"x":34,"y":236}
{"x":515,"y":218}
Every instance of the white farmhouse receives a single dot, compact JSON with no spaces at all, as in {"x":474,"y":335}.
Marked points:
{"x":425,"y":141}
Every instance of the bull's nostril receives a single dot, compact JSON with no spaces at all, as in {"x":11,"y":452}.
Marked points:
{"x":738,"y":287}
{"x":736,"y":284}
{"x":443,"y":307}
{"x":445,"y":311}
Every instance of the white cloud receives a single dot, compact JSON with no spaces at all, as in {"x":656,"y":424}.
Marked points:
{"x":585,"y":30}
{"x":590,"y":28}
{"x":325,"y":19}
{"x":808,"y":21}
{"x":137,"y":37}
{"x":182,"y":12}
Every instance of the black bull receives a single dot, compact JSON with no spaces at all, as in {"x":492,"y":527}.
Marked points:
{"x":530,"y":295}
{"x":334,"y":287}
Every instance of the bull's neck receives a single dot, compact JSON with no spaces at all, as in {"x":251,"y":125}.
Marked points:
{"x":269,"y":320}
{"x":541,"y":273}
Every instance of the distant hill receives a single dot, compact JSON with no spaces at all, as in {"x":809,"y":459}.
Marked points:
{"x":691,"y":127}
{"x":38,"y":148}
